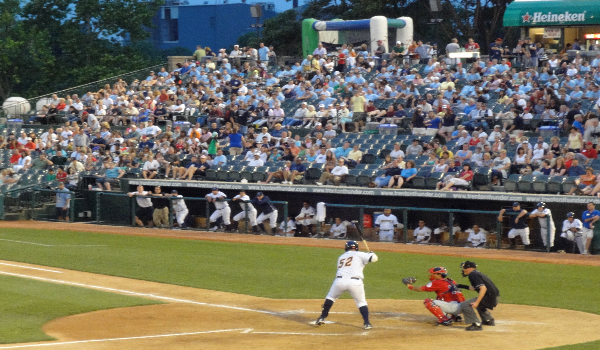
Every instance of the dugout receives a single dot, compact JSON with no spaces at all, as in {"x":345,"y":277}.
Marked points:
{"x":560,"y":205}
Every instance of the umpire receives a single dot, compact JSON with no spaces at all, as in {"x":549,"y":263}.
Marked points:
{"x":485,"y":301}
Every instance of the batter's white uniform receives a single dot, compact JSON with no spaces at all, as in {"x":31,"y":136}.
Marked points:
{"x":181,"y":210}
{"x":386,"y":227}
{"x":477,"y":239}
{"x":246,"y":207}
{"x":339,"y":231}
{"x":310,"y":211}
{"x":577,"y":236}
{"x":223,"y":210}
{"x":291,"y":228}
{"x":349,"y":276}
{"x":422,"y":235}
{"x":544,"y":226}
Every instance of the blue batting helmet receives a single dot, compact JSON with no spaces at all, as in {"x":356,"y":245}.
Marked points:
{"x":351,"y":245}
{"x":541,"y":204}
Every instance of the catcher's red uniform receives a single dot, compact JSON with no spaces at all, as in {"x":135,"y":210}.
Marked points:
{"x":445,"y":290}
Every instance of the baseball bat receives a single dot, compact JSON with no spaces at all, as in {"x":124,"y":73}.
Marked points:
{"x":360,"y":233}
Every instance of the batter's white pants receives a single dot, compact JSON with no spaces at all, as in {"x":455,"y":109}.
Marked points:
{"x":354,"y":286}
{"x":452,"y":307}
{"x":271,"y":216}
{"x":224,"y":213}
{"x":181,"y":215}
{"x":523,"y":232}
{"x":242,"y":216}
{"x":386,"y":235}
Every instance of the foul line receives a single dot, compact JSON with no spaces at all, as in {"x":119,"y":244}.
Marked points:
{"x":29,"y":267}
{"x":151,"y":296}
{"x":55,"y":245}
{"x":314,"y":334}
{"x":117,"y":339}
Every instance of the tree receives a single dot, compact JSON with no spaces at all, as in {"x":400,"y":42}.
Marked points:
{"x":25,"y":58}
{"x":282,"y":31}
{"x":93,"y":39}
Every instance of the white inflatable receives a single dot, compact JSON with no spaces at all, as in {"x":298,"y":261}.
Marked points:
{"x":16,"y":105}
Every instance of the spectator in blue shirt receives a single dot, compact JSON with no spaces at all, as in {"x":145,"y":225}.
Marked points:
{"x":575,"y":169}
{"x":219,"y":159}
{"x":63,"y":201}
{"x":407,"y":174}
{"x":343,"y":151}
{"x":263,"y":53}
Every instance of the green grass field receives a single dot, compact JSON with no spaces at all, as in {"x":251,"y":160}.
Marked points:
{"x":27,"y":304}
{"x":288,"y":271}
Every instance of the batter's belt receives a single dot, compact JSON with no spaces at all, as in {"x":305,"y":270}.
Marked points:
{"x":353,"y":278}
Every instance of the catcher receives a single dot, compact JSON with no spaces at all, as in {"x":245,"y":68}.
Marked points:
{"x":448,"y":299}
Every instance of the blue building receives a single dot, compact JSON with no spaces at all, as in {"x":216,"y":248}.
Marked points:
{"x":214,"y":25}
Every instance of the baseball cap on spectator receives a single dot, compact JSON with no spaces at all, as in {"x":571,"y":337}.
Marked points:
{"x":317,"y":124}
{"x":526,"y":141}
{"x":587,"y":143}
{"x":444,"y":106}
{"x":170,"y":92}
{"x":321,"y":106}
{"x":342,"y":104}
{"x":203,"y":156}
{"x":147,"y":98}
{"x":398,"y":42}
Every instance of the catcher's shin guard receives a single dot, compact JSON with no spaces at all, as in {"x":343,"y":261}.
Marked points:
{"x":435,"y":310}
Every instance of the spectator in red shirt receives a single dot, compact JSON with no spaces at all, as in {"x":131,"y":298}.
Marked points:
{"x":589,"y":151}
{"x":14,"y":159}
{"x":61,"y":175}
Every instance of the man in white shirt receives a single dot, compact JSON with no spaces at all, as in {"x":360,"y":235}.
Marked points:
{"x":322,"y":156}
{"x":150,"y":168}
{"x":337,"y":230}
{"x":320,"y":50}
{"x":386,"y":224}
{"x":49,"y":137}
{"x":151,"y":131}
{"x":305,"y":218}
{"x":571,"y":232}
{"x":477,"y":237}
{"x":223,"y":211}
{"x":422,"y":233}
{"x":497,"y":132}
{"x":264,"y":133}
{"x":397,"y":152}
{"x":144,"y":212}
{"x":336,"y":175}
{"x":288,"y":230}
{"x":22,"y":139}
{"x":256,"y":161}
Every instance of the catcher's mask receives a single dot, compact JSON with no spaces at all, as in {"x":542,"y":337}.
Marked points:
{"x":435,"y":270}
{"x":351,"y":245}
{"x":466,"y":265}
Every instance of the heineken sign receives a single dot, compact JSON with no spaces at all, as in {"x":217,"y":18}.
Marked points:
{"x":553,"y":18}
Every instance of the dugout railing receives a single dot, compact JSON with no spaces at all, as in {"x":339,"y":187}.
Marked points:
{"x":449,"y":215}
{"x":119,"y":209}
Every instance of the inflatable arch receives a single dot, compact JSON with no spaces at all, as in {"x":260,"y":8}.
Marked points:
{"x":314,"y":31}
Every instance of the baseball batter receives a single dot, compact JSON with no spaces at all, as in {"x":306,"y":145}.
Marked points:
{"x":448,"y":295}
{"x":386,"y":224}
{"x":268,"y":211}
{"x":543,"y":213}
{"x":222,"y":211}
{"x":247,"y":210}
{"x":518,"y":224}
{"x":349,"y":278}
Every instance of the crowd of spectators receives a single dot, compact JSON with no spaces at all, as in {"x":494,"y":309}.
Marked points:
{"x":481,"y":113}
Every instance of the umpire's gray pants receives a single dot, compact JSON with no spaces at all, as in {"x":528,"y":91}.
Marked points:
{"x":469,"y":316}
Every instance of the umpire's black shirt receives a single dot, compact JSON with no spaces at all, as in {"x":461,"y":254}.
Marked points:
{"x":490,"y":299}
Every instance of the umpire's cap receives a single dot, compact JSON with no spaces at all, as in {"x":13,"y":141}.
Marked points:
{"x":468,"y":264}
{"x":351,"y":245}
{"x":541,"y":204}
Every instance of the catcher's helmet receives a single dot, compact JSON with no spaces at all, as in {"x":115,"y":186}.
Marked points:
{"x":351,"y":244}
{"x":541,"y":204}
{"x":441,"y":270}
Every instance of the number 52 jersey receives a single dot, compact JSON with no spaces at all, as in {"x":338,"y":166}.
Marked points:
{"x":352,"y":263}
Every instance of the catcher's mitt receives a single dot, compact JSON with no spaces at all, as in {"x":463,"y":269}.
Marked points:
{"x":409,"y":280}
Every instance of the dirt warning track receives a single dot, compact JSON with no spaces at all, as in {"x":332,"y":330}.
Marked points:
{"x":201,"y":319}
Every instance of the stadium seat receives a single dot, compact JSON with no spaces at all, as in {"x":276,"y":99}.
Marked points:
{"x":510,"y":184}
{"x":525,"y":185}
{"x":211,"y":174}
{"x":312,"y":175}
{"x":352,"y":177}
{"x":368,"y":159}
{"x":419,"y":180}
{"x":433,"y":179}
{"x":365,"y":177}
{"x":569,"y":183}
{"x":555,"y":184}
{"x":259,"y":174}
{"x":246,"y":173}
{"x":482,"y":177}
{"x":235,"y":174}
{"x":540,"y":184}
